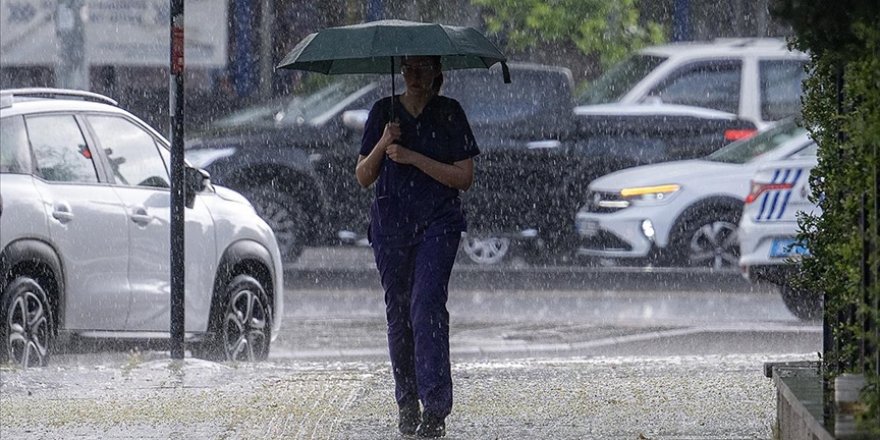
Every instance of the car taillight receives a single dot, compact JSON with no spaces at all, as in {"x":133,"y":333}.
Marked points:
{"x":757,"y":189}
{"x":731,"y":134}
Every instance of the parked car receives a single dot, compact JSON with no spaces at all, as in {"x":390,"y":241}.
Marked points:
{"x":682,"y":212}
{"x":84,"y":237}
{"x":758,"y":79}
{"x":769,"y":248}
{"x":294,"y":157}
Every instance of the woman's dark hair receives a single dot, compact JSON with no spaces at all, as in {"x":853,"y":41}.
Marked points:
{"x":438,"y":83}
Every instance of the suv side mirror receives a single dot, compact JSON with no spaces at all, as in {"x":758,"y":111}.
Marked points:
{"x":195,"y":181}
{"x":355,"y":119}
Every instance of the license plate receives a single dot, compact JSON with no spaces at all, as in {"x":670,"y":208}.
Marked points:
{"x":588,"y":228}
{"x":786,"y":247}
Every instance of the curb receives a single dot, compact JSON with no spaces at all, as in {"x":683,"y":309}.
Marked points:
{"x":799,"y":401}
{"x":545,"y":277}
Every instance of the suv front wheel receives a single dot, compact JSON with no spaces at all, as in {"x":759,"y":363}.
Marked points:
{"x":243,"y":329}
{"x":26,"y":330}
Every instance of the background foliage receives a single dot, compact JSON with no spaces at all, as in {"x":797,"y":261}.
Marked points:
{"x":842,"y":110}
{"x":605,"y":30}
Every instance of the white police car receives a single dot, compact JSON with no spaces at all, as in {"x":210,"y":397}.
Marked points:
{"x":779,"y":192}
{"x":682,"y":212}
{"x":84,"y":237}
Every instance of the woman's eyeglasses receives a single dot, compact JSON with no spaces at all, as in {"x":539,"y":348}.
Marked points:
{"x":416,"y":68}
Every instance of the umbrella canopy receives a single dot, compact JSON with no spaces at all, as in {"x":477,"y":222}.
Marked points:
{"x":375,"y":47}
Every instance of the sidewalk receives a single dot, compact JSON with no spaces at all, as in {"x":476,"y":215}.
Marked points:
{"x":699,"y":397}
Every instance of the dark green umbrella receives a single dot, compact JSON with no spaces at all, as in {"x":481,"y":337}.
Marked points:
{"x":367,"y":47}
{"x":375,"y":47}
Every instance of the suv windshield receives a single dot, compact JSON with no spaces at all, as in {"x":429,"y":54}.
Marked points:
{"x":618,"y":80}
{"x":749,"y":149}
{"x":297,"y":110}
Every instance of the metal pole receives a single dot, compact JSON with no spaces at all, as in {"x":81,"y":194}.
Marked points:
{"x":872,"y":293}
{"x":178,"y":266}
{"x":865,"y":287}
{"x":267,"y":69}
{"x":832,"y":365}
{"x":876,"y":265}
{"x":71,"y":72}
{"x":762,"y":18}
{"x":244,"y":61}
{"x":681,"y":20}
{"x":874,"y":287}
{"x":375,"y":10}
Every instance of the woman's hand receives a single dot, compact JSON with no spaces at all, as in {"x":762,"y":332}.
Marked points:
{"x":458,"y":175}
{"x":389,"y":136}
{"x":368,"y":167}
{"x":401,"y":154}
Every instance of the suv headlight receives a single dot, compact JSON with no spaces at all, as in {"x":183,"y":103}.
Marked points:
{"x":658,"y":193}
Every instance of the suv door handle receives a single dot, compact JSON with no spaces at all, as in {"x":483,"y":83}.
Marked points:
{"x":141,"y":217}
{"x":61,"y":212}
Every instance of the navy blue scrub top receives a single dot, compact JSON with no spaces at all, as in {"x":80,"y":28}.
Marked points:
{"x":410,"y":205}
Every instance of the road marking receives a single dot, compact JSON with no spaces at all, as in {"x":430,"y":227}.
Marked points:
{"x":539,"y":348}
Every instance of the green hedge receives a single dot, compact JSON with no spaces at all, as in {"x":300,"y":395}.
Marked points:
{"x":842,"y":110}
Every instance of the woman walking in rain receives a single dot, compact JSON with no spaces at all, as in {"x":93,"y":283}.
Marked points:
{"x":419,"y":159}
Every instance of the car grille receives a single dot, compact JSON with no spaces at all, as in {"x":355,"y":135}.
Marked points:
{"x":594,"y":198}
{"x":605,"y":241}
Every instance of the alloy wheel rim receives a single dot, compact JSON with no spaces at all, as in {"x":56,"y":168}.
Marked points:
{"x":716,"y":244}
{"x":489,"y":250}
{"x":27,"y":326}
{"x":245,"y":327}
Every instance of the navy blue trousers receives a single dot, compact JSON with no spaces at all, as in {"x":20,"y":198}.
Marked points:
{"x":416,"y":280}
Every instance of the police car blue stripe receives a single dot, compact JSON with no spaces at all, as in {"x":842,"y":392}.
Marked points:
{"x":764,"y":197}
{"x":797,"y":175}
{"x":776,"y":196}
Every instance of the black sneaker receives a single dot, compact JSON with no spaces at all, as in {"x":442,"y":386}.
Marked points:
{"x":431,"y":427}
{"x":409,"y":417}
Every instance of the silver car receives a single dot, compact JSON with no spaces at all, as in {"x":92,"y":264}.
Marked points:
{"x":84,"y":237}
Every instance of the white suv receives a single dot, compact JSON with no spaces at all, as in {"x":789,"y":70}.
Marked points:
{"x":758,"y":79}
{"x":84,"y":237}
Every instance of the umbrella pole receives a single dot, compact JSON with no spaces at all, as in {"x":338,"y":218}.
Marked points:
{"x":392,"y":89}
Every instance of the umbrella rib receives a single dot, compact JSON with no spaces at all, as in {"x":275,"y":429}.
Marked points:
{"x":373,"y":42}
{"x":446,"y":34}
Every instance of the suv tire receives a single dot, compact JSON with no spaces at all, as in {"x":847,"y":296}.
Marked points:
{"x":242,"y":330}
{"x":26,"y":329}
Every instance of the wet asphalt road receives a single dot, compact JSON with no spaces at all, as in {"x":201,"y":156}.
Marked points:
{"x":561,"y":353}
{"x":334,"y":310}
